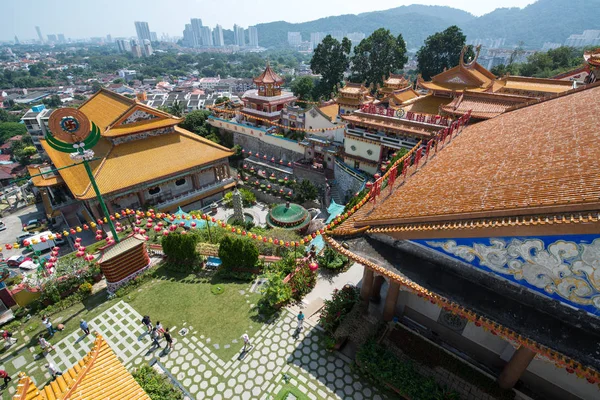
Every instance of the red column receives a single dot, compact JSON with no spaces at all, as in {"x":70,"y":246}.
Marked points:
{"x":515,"y":367}
{"x":367,"y":285}
{"x":390,"y":301}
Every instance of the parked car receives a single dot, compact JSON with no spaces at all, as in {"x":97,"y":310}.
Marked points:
{"x":2,"y":226}
{"x":32,"y":224}
{"x":21,"y":238}
{"x":16,"y":261}
{"x":29,"y":265}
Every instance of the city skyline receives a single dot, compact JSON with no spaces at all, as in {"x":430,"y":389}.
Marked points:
{"x":49,"y":16}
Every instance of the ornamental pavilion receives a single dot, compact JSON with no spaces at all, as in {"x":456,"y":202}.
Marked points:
{"x":142,"y":159}
{"x":487,"y":241}
{"x":352,"y":96}
{"x":268,"y":101}
{"x":396,"y":92}
{"x":98,"y":375}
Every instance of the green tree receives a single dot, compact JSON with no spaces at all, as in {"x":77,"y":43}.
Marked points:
{"x":96,"y":86}
{"x":181,"y":251}
{"x":377,"y":56}
{"x":330,"y":59}
{"x":238,"y":254}
{"x":38,"y":69}
{"x":195,"y":121}
{"x":5,"y":116}
{"x":303,"y":87}
{"x":52,"y":101}
{"x":176,"y":108}
{"x":119,"y":80}
{"x":441,"y":51}
{"x":220,"y":100}
{"x":11,"y":129}
{"x":23,"y":154}
{"x":305,"y":191}
{"x":157,"y":386}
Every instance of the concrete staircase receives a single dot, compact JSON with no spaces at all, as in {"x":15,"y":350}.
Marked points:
{"x":336,"y":193}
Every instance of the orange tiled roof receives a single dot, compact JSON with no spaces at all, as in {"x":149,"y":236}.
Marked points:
{"x":140,"y":126}
{"x":39,"y":180}
{"x":394,"y":125}
{"x":459,"y":78}
{"x":536,"y":159}
{"x":332,"y":111}
{"x":592,"y":57}
{"x":405,"y":95}
{"x":99,"y":375}
{"x":138,"y":161}
{"x":268,"y":77}
{"x":105,"y":107}
{"x":427,"y":104}
{"x":522,"y":83}
{"x":483,"y":105}
{"x":353,"y":88}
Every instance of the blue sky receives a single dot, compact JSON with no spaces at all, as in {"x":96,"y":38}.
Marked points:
{"x":88,"y":18}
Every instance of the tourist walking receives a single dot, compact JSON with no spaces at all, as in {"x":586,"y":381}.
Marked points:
{"x":84,"y":327}
{"x":159,"y":328}
{"x":300,"y":321}
{"x":44,"y":344}
{"x":4,"y":375}
{"x":246,"y":341}
{"x":168,"y":338}
{"x":48,"y":325}
{"x":53,"y":370}
{"x":8,"y":338}
{"x":155,"y":336}
{"x":147,"y":323}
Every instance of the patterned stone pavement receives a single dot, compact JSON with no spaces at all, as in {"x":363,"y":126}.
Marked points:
{"x":276,"y":357}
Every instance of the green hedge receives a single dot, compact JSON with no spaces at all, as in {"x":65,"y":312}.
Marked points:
{"x":157,"y":386}
{"x":383,"y":368}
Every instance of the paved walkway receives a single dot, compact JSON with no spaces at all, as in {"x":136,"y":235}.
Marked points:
{"x":326,"y":283}
{"x":276,"y":357}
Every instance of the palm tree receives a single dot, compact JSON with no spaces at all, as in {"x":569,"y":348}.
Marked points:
{"x":176,"y":108}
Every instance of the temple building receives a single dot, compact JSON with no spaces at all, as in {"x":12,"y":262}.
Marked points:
{"x":268,"y":101}
{"x":396,"y":92}
{"x":142,"y":159}
{"x":352,"y":96}
{"x":487,"y":242}
{"x":99,"y":375}
{"x":480,"y":90}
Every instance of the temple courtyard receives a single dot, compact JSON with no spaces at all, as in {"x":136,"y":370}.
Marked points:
{"x":207,"y":328}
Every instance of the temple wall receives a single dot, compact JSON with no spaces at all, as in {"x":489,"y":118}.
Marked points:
{"x":361,"y":149}
{"x":272,"y":147}
{"x":558,"y":377}
{"x":347,"y":180}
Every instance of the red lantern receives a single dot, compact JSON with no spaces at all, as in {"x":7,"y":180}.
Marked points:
{"x":193,"y":224}
{"x":281,"y":161}
{"x":98,"y":238}
{"x":265,"y":157}
{"x":272,"y":159}
{"x":276,"y":241}
{"x":172,"y":228}
{"x":182,"y":223}
{"x":213,"y":219}
{"x":157,"y":228}
{"x":73,"y":231}
{"x":8,"y":246}
{"x":43,"y":239}
{"x":313,"y":266}
{"x":287,"y":244}
{"x":85,"y":227}
{"x":265,"y":240}
{"x":313,"y":235}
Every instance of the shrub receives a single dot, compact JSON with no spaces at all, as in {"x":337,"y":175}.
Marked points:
{"x":181,"y":251}
{"x":338,"y":307}
{"x":304,"y":191}
{"x":333,"y":260}
{"x":85,"y":289}
{"x":248,"y":198}
{"x":238,"y":254}
{"x":303,"y":281}
{"x":275,"y":293}
{"x":157,"y":386}
{"x":382,"y":367}
{"x":13,"y":281}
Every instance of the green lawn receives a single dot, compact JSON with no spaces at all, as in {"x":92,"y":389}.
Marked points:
{"x":175,"y":299}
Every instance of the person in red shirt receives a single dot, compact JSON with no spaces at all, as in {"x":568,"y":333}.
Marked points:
{"x":4,"y":375}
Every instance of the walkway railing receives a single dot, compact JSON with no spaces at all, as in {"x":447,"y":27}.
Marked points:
{"x":196,"y":192}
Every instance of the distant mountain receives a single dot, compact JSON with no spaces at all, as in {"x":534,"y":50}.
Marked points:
{"x":415,"y":22}
{"x":543,"y":21}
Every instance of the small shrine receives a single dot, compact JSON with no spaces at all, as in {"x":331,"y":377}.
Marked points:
{"x":352,"y":96}
{"x":123,"y":261}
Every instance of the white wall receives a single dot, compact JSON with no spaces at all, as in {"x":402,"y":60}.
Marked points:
{"x":485,"y":338}
{"x":424,"y":307}
{"x":561,"y":378}
{"x":361,"y":149}
{"x":206,"y":177}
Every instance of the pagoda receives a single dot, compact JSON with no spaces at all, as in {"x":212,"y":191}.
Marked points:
{"x":396,"y":92}
{"x":592,"y":59}
{"x":352,"y":96}
{"x":265,"y":103}
{"x":489,"y":238}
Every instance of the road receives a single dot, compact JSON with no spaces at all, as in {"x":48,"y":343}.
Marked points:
{"x":14,"y":226}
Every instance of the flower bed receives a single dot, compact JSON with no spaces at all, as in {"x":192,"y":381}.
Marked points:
{"x":338,"y":307}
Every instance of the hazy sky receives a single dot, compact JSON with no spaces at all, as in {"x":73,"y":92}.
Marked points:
{"x":88,"y":18}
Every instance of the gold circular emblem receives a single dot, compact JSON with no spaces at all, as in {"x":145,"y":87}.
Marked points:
{"x":69,"y":125}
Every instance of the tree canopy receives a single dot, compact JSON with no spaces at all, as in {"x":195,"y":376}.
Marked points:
{"x":303,"y":87}
{"x":195,"y":121}
{"x":331,"y":60}
{"x":377,"y":56}
{"x":544,"y":64}
{"x":11,"y":129}
{"x":441,"y":51}
{"x":305,"y":191}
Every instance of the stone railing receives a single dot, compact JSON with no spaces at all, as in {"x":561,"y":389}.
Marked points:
{"x":204,"y":189}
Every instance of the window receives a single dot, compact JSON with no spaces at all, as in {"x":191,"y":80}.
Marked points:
{"x":353,"y":148}
{"x":370,"y":152}
{"x":153,"y":191}
{"x":180,"y":182}
{"x":356,"y":165}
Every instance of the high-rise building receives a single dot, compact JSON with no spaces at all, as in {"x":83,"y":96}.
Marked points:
{"x":154,"y":36}
{"x":147,"y":48}
{"x":197,"y":29}
{"x":316,"y":38}
{"x":188,"y":36}
{"x":239,"y":35}
{"x":143,"y":31}
{"x":61,"y":38}
{"x":218,"y":36}
{"x":39,"y":33}
{"x":17,"y":40}
{"x":109,"y":38}
{"x":36,"y":123}
{"x":136,"y":49}
{"x":207,"y":39}
{"x":52,"y":38}
{"x":252,"y":36}
{"x":123,"y":45}
{"x":355,"y":37}
{"x":294,"y":39}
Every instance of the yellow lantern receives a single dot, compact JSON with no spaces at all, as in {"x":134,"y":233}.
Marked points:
{"x":259,"y":237}
{"x":270,"y":240}
{"x":78,"y":229}
{"x":93,"y":224}
{"x":239,"y":231}
{"x":65,"y":233}
{"x":16,"y":246}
